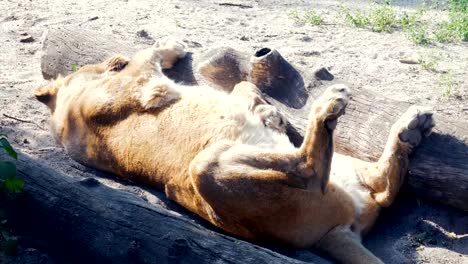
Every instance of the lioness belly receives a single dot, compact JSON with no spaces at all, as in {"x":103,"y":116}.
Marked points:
{"x":158,"y":146}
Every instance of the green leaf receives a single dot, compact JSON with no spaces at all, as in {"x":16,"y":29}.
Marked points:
{"x":7,"y":170}
{"x":75,"y":67}
{"x":10,"y":247}
{"x":8,"y":148}
{"x":14,"y":185}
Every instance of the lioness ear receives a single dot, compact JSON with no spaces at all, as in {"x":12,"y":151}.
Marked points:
{"x":43,"y":94}
{"x":46,"y":94}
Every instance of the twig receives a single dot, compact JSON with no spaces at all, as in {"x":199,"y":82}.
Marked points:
{"x":236,"y":5}
{"x":408,"y":61}
{"x":23,"y":121}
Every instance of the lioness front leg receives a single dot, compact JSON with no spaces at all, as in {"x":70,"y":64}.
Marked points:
{"x":268,"y":114}
{"x":170,"y":50}
{"x":317,"y":147}
{"x":136,"y":84}
{"x":151,"y":61}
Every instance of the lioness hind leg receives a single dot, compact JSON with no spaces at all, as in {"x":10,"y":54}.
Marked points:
{"x":345,"y":246}
{"x":385,"y":177}
{"x":253,"y":193}
{"x":259,"y":194}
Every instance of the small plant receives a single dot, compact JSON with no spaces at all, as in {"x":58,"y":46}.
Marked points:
{"x":456,"y":28}
{"x":419,"y":34}
{"x":358,"y":19}
{"x":428,"y":63}
{"x":445,"y":34}
{"x":413,"y":25}
{"x":309,"y":17}
{"x":294,"y":15}
{"x":8,"y":180}
{"x":312,"y":17}
{"x":446,"y":84}
{"x":74,"y":67}
{"x":9,"y":184}
{"x":383,"y":18}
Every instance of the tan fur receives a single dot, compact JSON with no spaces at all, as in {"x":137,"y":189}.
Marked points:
{"x":225,"y":156}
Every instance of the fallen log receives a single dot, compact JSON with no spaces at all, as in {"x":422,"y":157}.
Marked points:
{"x":84,"y":221}
{"x":438,"y":170}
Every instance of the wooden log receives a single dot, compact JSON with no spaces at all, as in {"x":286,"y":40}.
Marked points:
{"x":438,"y":170}
{"x":84,"y":221}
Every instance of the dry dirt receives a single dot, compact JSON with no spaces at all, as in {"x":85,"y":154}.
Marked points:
{"x":411,"y":231}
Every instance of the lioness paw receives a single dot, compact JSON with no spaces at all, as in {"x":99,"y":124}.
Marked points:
{"x":417,"y":122}
{"x":116,"y":63}
{"x":271,"y":117}
{"x":157,"y":93}
{"x":332,"y":104}
{"x":170,"y":51}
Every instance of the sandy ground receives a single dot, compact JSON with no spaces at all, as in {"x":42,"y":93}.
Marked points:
{"x":411,"y":231}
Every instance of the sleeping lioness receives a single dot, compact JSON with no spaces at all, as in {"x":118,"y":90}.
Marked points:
{"x":226,"y":157}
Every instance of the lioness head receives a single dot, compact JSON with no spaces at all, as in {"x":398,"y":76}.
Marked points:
{"x":48,"y":94}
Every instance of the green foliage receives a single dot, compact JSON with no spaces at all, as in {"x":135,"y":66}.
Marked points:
{"x":8,"y":177}
{"x":312,"y":17}
{"x":458,"y":5}
{"x":428,"y":63}
{"x":308,"y":17}
{"x":419,"y":34}
{"x":7,"y":147}
{"x":9,"y":246}
{"x":14,"y":184}
{"x":446,"y":85}
{"x":7,"y":170}
{"x":456,"y":28}
{"x":414,"y":27}
{"x":294,"y":14}
{"x":384,"y":18}
{"x":358,"y":19}
{"x":9,"y":184}
{"x":75,"y":67}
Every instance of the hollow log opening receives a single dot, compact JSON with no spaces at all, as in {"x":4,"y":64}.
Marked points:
{"x":262,"y":52}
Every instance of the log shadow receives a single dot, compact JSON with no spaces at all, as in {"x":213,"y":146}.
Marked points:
{"x":411,"y":225}
{"x":182,"y":71}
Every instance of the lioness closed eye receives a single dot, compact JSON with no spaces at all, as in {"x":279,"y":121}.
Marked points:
{"x":226,"y":157}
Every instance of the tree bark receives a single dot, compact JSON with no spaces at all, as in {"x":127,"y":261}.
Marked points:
{"x":438,"y":169}
{"x":87,"y":222}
